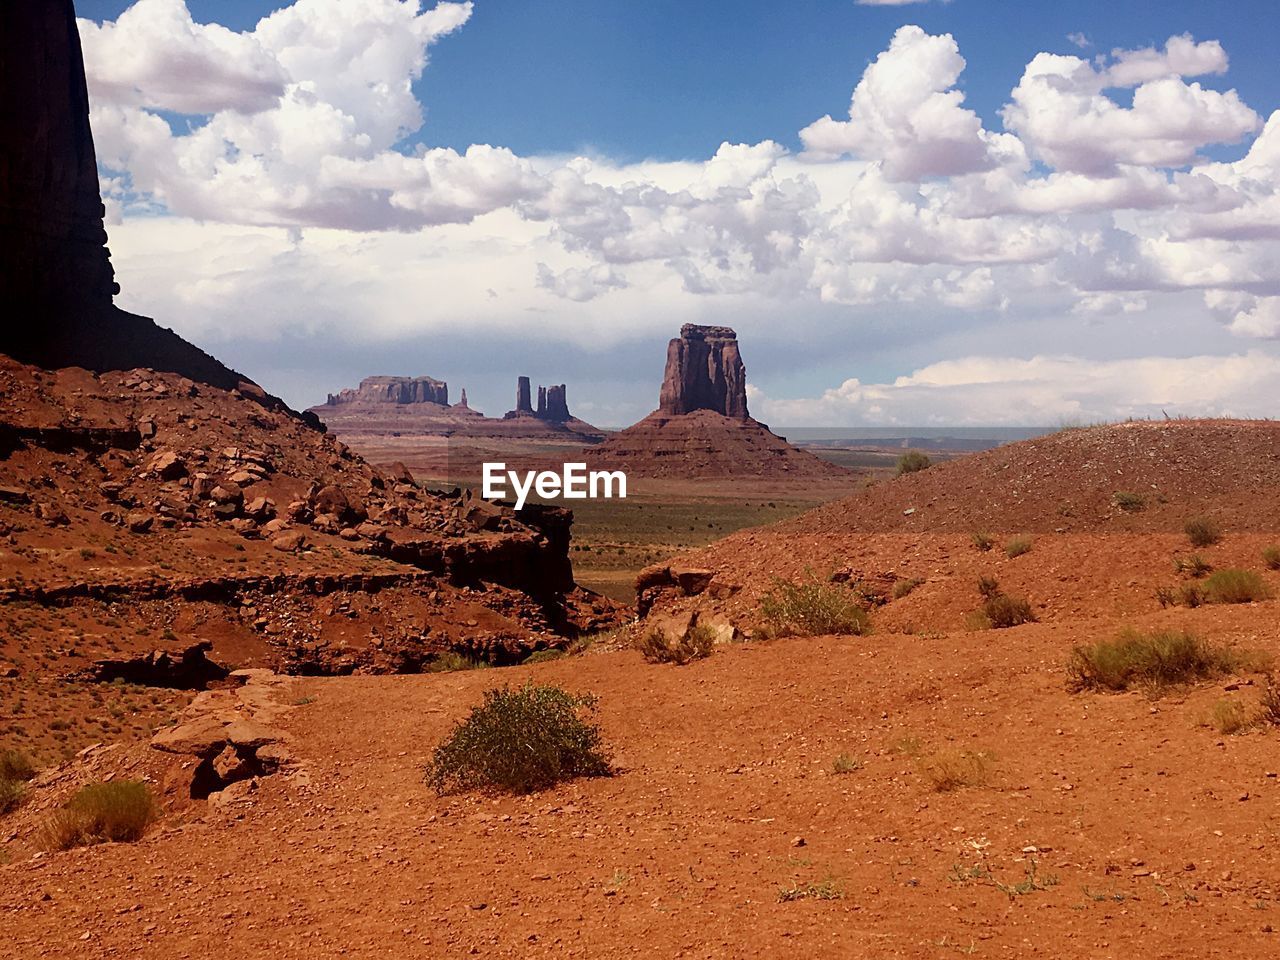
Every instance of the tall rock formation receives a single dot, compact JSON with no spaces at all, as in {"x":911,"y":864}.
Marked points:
{"x":522,"y":397}
{"x":704,"y":372}
{"x":557,"y":410}
{"x":395,"y":390}
{"x":701,"y":428}
{"x":56,"y":280}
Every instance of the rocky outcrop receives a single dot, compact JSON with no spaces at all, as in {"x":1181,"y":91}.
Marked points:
{"x":552,"y":406}
{"x":56,"y":280}
{"x":395,"y":390}
{"x":701,"y":428}
{"x":704,"y":372}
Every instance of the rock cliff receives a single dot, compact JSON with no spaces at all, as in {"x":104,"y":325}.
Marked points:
{"x":394,"y":390}
{"x":704,"y":372}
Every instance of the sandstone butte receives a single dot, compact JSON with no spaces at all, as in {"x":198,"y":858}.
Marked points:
{"x":702,"y":428}
{"x":407,"y":407}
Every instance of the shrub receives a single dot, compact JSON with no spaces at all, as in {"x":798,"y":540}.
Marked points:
{"x":451,"y":661}
{"x":983,"y":541}
{"x":827,"y":889}
{"x":1203,"y":531}
{"x":913,"y":461}
{"x":1155,"y":660}
{"x":845,"y":764}
{"x":1229,"y":716}
{"x":903,"y":587}
{"x":1129,"y":502}
{"x":658,"y":647}
{"x":1235,"y":586}
{"x":1003,"y":611}
{"x":952,"y":769}
{"x":988,"y":587}
{"x":520,"y":741}
{"x":118,"y":811}
{"x":1193,"y":566}
{"x":1269,"y":706}
{"x":15,"y":770}
{"x":1017,"y":547}
{"x":812,"y":608}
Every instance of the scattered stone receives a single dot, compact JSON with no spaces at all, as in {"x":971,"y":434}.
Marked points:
{"x":291,"y":541}
{"x":167,"y":465}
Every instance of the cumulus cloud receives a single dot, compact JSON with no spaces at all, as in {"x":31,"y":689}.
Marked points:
{"x":1042,"y":390}
{"x":303,"y":173}
{"x":1061,"y":111}
{"x":907,"y":114}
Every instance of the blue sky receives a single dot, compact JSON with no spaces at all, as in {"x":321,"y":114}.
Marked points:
{"x":923,"y":213}
{"x":671,"y":79}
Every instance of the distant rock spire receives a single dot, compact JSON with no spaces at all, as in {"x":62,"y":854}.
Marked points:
{"x":704,"y":372}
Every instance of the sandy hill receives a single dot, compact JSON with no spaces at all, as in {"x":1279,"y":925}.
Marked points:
{"x":1069,"y":481}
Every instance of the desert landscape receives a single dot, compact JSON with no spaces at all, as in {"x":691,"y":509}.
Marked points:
{"x":282,"y":682}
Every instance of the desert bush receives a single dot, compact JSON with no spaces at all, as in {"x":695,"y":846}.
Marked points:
{"x":696,"y":644}
{"x":827,"y":889}
{"x":1129,"y":502}
{"x":903,"y":587}
{"x":1004,"y":611}
{"x":913,"y":461}
{"x":519,"y":741}
{"x":1193,"y":566}
{"x":1269,"y":706}
{"x":983,"y":541}
{"x":1154,"y":660}
{"x":1229,"y":716}
{"x":15,"y":770}
{"x":118,"y":811}
{"x":1017,"y":547}
{"x":1235,"y":586}
{"x":812,"y":608}
{"x":988,"y":587}
{"x":845,"y":764}
{"x":1271,"y":557}
{"x":999,"y":610}
{"x":949,"y":770}
{"x":451,"y":661}
{"x":1203,"y":531}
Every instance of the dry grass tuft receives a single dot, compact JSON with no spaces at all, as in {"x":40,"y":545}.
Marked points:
{"x":1129,"y":502}
{"x":1194,"y":566}
{"x":1154,"y":661}
{"x":913,"y":461}
{"x":1236,"y":586}
{"x":1271,"y":557}
{"x":948,"y":770}
{"x":902,"y":588}
{"x":813,"y":608}
{"x":1229,"y":716}
{"x":519,"y":741}
{"x":658,"y":647}
{"x":16,"y":769}
{"x":1017,"y":547}
{"x":982,"y":541}
{"x":118,"y":811}
{"x":1203,"y":531}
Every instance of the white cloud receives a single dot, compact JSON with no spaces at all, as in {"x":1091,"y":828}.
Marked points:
{"x":297,"y":203}
{"x":1061,"y":112}
{"x":906,"y":113}
{"x":1043,"y":390}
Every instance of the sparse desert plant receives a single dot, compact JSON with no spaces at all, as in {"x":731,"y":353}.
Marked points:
{"x":903,"y":587}
{"x":1271,"y":557}
{"x":913,"y":461}
{"x":1156,"y":661}
{"x":117,"y":811}
{"x":983,"y":541}
{"x":519,"y":741}
{"x":988,"y":587}
{"x":1269,"y":706}
{"x":1229,"y":716}
{"x":1017,"y":547}
{"x":1004,"y":611}
{"x":999,"y":610}
{"x":1203,"y":531}
{"x":845,"y":764}
{"x":15,"y":770}
{"x":948,"y":770}
{"x":827,"y":889}
{"x":1194,"y":566}
{"x":451,"y":661}
{"x":1235,"y":586}
{"x":1129,"y":502}
{"x":812,"y":608}
{"x":658,"y":646}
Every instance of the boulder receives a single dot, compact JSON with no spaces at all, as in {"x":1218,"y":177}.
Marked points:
{"x":250,"y":734}
{"x":260,"y":508}
{"x":139,"y":522}
{"x":202,"y":737}
{"x":692,"y":580}
{"x":291,"y":541}
{"x":167,"y":465}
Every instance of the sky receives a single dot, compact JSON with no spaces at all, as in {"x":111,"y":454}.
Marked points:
{"x":914,"y":214}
